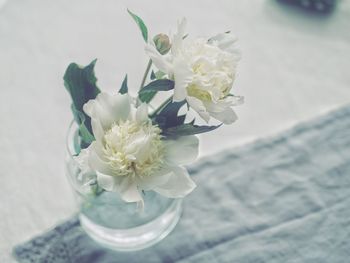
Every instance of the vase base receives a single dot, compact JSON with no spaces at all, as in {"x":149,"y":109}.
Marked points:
{"x":136,"y":238}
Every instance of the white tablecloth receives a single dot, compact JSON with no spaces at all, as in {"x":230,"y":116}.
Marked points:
{"x":295,"y":66}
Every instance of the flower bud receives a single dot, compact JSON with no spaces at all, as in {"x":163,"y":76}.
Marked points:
{"x":162,"y":43}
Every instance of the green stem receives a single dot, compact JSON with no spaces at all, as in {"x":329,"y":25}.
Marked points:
{"x":161,"y":107}
{"x":138,"y":102}
{"x":146,"y":73}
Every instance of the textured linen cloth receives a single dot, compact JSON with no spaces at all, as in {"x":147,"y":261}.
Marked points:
{"x":281,"y":199}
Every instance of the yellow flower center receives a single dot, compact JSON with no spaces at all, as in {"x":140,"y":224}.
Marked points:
{"x":195,"y":91}
{"x":133,"y":149}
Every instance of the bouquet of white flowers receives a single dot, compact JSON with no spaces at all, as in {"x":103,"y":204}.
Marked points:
{"x":129,"y":147}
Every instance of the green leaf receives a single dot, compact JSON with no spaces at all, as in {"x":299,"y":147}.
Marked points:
{"x":168,"y":116}
{"x":147,"y":93}
{"x":159,"y":85}
{"x":141,"y":25}
{"x":188,"y":129}
{"x":85,"y":134}
{"x":124,"y":87}
{"x":80,"y":82}
{"x":147,"y":96}
{"x":159,"y":74}
{"x":153,"y":75}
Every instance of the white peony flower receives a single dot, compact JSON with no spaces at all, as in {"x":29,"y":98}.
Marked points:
{"x":204,"y":71}
{"x":130,"y":155}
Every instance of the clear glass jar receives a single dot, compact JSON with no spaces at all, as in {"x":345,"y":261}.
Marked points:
{"x":112,"y":222}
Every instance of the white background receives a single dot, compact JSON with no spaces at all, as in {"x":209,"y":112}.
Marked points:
{"x":295,"y":66}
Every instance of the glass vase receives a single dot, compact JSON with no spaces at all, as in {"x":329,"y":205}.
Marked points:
{"x":112,"y":222}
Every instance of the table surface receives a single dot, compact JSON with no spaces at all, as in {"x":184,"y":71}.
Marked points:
{"x":295,"y":67}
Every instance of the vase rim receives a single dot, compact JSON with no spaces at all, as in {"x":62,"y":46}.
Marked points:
{"x":71,"y":136}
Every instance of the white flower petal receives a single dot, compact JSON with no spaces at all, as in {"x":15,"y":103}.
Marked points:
{"x":108,"y":108}
{"x":199,"y":107}
{"x":176,"y":44}
{"x":183,"y":76}
{"x":128,"y":190}
{"x":236,"y":100}
{"x":183,"y":150}
{"x":226,"y":42}
{"x":97,"y":129}
{"x":228,"y":116}
{"x":142,"y":113}
{"x":95,"y":110}
{"x":86,"y":174}
{"x":139,"y":146}
{"x":107,"y":182}
{"x":82,"y":159}
{"x":97,"y":164}
{"x":158,"y":60}
{"x":179,"y":184}
{"x":223,"y":40}
{"x":158,"y":178}
{"x":89,"y":107}
{"x":117,"y":105}
{"x":219,"y":105}
{"x":97,"y":147}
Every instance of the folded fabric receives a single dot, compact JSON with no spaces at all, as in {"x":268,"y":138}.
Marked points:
{"x":281,"y":199}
